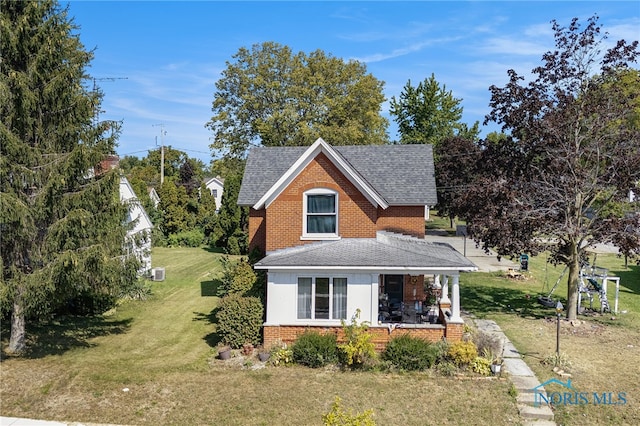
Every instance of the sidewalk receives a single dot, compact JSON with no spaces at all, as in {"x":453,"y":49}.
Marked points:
{"x":520,"y":375}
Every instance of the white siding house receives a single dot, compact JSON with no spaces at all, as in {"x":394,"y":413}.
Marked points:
{"x":216,"y":187}
{"x":139,"y":236}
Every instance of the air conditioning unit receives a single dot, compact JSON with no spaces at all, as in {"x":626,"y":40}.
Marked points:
{"x":157,"y":274}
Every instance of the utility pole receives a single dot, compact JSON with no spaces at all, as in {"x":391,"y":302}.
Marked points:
{"x":162,"y":133}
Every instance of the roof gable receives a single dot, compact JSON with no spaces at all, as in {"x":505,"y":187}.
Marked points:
{"x":397,"y":174}
{"x":320,"y":146}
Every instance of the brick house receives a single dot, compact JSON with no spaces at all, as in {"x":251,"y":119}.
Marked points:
{"x":343,"y":230}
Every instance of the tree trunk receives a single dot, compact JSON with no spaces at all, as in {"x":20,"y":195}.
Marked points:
{"x":573,"y":282}
{"x":17,"y":340}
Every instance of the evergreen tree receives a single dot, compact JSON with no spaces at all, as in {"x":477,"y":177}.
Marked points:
{"x":173,"y":205}
{"x":61,"y":220}
{"x":207,"y":217}
{"x":232,"y":220}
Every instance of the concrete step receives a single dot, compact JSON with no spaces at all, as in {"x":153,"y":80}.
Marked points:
{"x":527,"y":398}
{"x":529,"y":412}
{"x":525,"y":383}
{"x":539,"y":423}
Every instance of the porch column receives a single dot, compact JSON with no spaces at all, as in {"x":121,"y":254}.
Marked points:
{"x":444,"y":298}
{"x":375,"y":290}
{"x":455,"y":299}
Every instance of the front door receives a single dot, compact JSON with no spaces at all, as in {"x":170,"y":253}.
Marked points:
{"x":394,"y":288}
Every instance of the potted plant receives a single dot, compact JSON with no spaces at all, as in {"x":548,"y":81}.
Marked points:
{"x":496,"y":365}
{"x":263,"y":354}
{"x":247,"y":349}
{"x":224,"y":352}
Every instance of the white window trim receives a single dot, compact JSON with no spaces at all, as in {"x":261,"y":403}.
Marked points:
{"x":313,"y":297}
{"x":319,"y":236}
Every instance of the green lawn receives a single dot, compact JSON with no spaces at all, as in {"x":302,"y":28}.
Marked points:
{"x":604,"y":350}
{"x":153,"y":362}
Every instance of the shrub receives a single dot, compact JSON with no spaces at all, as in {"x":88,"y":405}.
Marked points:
{"x":338,"y":417}
{"x":192,"y":238}
{"x":462,"y":353}
{"x":315,"y":350}
{"x":446,"y":368}
{"x":281,"y":355}
{"x":237,"y":277}
{"x":358,"y":350}
{"x":239,"y":320}
{"x":410,"y":353}
{"x":481,"y":366}
{"x":441,"y":349}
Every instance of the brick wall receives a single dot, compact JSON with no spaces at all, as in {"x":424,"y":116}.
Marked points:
{"x":411,"y":283}
{"x":257,"y":229}
{"x":402,"y":219}
{"x":382,"y":334}
{"x":280,"y":225}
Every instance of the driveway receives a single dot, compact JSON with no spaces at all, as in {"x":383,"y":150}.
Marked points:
{"x":467,"y":247}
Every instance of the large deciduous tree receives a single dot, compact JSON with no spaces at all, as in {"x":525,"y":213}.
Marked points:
{"x":559,"y":181}
{"x":272,"y":97}
{"x":428,"y":114}
{"x":455,"y":170}
{"x":61,"y":220}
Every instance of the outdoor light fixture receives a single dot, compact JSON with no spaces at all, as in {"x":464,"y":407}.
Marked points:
{"x":559,"y":309}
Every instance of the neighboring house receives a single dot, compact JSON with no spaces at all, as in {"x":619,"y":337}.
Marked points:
{"x":138,"y":239}
{"x":153,"y":196}
{"x":343,"y":231}
{"x":216,"y":187}
{"x":139,"y":236}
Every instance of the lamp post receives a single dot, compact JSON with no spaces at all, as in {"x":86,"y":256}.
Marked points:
{"x":559,"y":309}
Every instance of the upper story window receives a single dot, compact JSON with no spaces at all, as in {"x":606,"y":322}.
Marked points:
{"x":320,"y":214}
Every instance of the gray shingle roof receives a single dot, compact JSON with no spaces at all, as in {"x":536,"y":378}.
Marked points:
{"x":387,"y":250}
{"x":401,"y":174}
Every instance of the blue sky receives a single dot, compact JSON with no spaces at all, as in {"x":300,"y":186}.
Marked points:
{"x":158,"y":61}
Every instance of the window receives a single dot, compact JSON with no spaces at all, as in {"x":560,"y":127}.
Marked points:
{"x":214,"y":192}
{"x":320,"y":213}
{"x":322,"y":298}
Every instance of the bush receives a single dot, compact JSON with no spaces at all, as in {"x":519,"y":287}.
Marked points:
{"x":410,"y":353}
{"x":192,"y":238}
{"x":481,"y":366}
{"x":315,"y":350}
{"x":358,"y":350}
{"x":441,"y":349}
{"x":446,"y":368}
{"x":462,"y":353}
{"x":281,"y":355}
{"x":237,"y":277}
{"x":338,"y":417}
{"x":239,"y":320}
